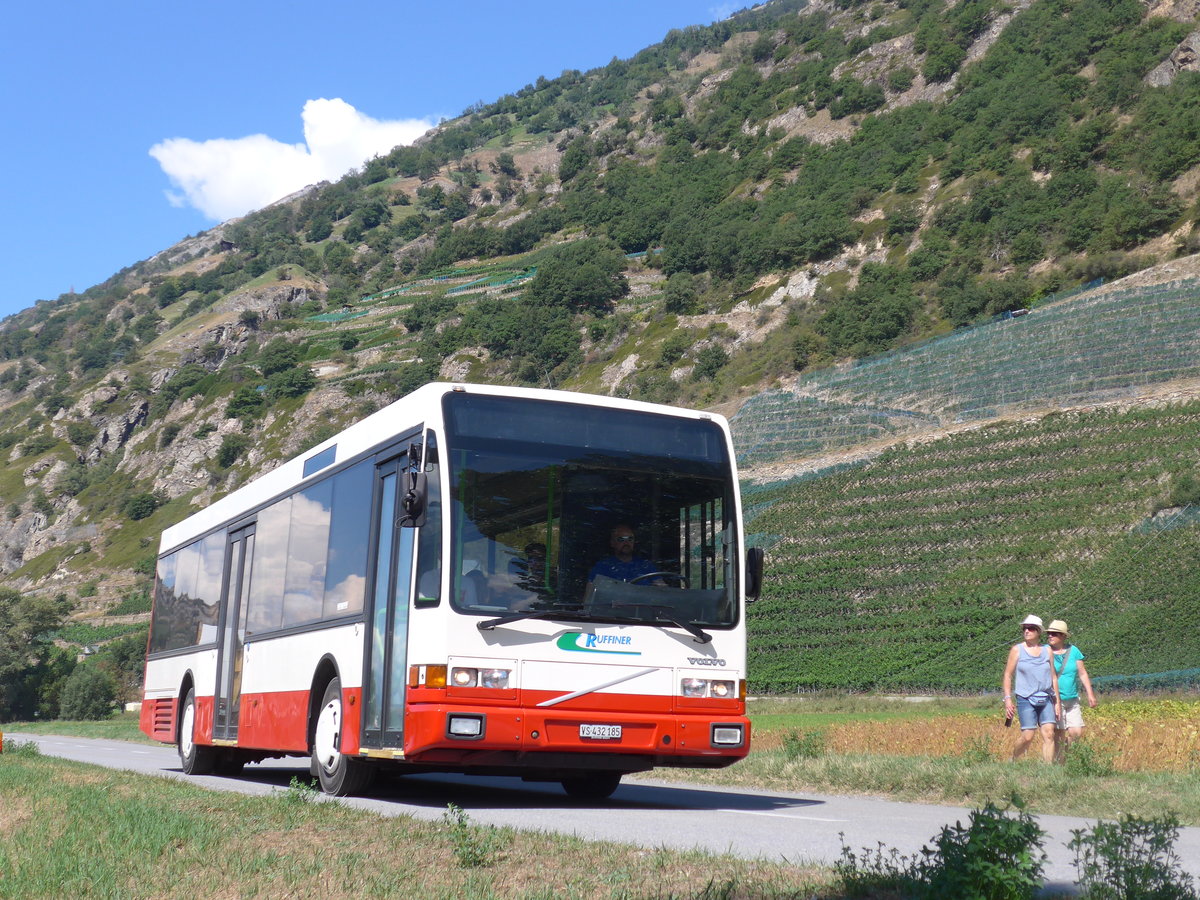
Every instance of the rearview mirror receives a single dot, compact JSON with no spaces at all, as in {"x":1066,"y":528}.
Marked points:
{"x":754,"y":572}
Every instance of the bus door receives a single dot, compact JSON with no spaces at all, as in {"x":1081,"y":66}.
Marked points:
{"x":386,"y":653}
{"x":234,"y":590}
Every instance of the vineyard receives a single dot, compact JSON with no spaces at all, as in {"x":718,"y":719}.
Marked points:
{"x":1082,"y":349}
{"x":911,"y":572}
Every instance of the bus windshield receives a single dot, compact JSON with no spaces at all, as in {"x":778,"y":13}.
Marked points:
{"x":594,"y":513}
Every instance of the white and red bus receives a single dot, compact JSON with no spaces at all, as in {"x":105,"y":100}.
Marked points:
{"x":418,"y":593}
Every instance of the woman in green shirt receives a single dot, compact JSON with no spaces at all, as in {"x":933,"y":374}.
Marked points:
{"x":1068,"y":664}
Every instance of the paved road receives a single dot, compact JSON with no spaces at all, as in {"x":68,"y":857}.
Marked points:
{"x":796,"y":828}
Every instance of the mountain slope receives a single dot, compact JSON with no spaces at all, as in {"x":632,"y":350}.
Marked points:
{"x":786,"y":190}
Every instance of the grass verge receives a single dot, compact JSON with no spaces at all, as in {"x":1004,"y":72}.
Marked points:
{"x":152,"y":837}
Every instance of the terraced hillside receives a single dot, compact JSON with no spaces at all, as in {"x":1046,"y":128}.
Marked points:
{"x":1082,"y":349}
{"x":911,"y":571}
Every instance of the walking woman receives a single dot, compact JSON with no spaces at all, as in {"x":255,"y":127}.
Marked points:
{"x":1035,"y":689}
{"x":1068,"y":664}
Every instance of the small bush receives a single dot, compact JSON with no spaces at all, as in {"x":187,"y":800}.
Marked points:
{"x":168,"y":434}
{"x":997,"y":856}
{"x":141,"y":506}
{"x":1085,"y":758}
{"x":804,"y":744}
{"x":232,"y":447}
{"x":1131,"y":859}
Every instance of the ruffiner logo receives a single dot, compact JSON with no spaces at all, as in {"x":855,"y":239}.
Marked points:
{"x":597,"y":643}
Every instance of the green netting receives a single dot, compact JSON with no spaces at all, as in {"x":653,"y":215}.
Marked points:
{"x":1151,"y":681}
{"x":1077,"y":350}
{"x":336,"y":317}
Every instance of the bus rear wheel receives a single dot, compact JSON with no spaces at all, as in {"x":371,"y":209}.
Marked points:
{"x":592,"y":786}
{"x":340,"y":775}
{"x":194,"y":759}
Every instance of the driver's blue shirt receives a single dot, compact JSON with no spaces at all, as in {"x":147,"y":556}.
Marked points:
{"x":612,"y":567}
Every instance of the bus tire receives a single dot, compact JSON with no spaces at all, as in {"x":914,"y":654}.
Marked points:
{"x":340,"y":775}
{"x":194,"y":758}
{"x":592,"y":785}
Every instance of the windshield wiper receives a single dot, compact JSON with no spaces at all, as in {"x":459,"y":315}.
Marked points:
{"x":701,"y":636}
{"x":489,"y":624}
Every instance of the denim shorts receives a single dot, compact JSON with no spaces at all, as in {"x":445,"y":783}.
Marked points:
{"x":1032,"y":716}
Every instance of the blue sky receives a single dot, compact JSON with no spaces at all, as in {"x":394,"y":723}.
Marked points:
{"x":226,"y":96}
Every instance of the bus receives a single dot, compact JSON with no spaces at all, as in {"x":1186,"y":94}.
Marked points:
{"x":434,"y":590}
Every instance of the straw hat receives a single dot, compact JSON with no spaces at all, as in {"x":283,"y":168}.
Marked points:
{"x":1060,"y":626}
{"x":1035,"y":621}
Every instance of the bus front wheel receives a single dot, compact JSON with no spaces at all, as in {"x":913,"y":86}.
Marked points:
{"x":340,"y":775}
{"x":592,"y":786}
{"x":193,"y":758}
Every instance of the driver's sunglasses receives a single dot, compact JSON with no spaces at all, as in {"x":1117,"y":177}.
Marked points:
{"x":625,"y":537}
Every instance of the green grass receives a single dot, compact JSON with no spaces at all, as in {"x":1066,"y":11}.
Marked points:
{"x":157,"y":837}
{"x":120,"y":727}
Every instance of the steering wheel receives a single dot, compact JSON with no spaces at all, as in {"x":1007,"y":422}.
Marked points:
{"x":683,"y":581}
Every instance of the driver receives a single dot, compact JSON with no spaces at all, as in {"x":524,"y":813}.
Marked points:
{"x":622,"y":565}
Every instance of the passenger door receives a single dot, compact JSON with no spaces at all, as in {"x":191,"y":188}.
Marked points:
{"x":234,"y":590}
{"x":386,"y":653}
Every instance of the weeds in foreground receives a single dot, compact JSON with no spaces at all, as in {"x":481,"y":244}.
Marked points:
{"x":300,"y":792}
{"x":475,"y":846}
{"x":999,"y":856}
{"x":1131,"y":859}
{"x":23,"y":749}
{"x":996,"y":856}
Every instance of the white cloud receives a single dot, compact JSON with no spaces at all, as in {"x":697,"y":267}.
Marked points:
{"x":224,"y":177}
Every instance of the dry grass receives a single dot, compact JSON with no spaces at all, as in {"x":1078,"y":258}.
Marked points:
{"x":1171,"y":743}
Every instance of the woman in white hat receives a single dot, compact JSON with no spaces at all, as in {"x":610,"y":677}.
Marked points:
{"x":1036,"y":690}
{"x":1068,"y":664}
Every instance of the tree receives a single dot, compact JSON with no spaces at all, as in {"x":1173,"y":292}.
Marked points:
{"x":709,"y":361}
{"x":141,"y":506}
{"x":232,"y":447}
{"x":506,"y":165}
{"x":278,"y":356}
{"x":680,"y":295}
{"x":246,"y":403}
{"x":89,"y":693}
{"x":25,"y":648}
{"x":584,"y":275}
{"x":291,"y":383}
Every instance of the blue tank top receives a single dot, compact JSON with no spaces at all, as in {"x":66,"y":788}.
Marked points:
{"x":1033,"y":672}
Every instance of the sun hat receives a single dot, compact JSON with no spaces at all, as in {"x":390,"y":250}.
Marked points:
{"x":1036,"y":621}
{"x":1060,"y":626}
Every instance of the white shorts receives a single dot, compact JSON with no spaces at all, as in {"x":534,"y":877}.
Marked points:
{"x":1072,"y":715}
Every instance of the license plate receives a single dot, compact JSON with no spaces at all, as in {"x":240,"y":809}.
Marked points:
{"x":600,"y":732}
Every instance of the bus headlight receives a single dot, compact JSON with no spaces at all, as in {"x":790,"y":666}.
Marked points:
{"x":468,"y":676}
{"x":494,"y":678}
{"x":704,"y":687}
{"x":722,"y":689}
